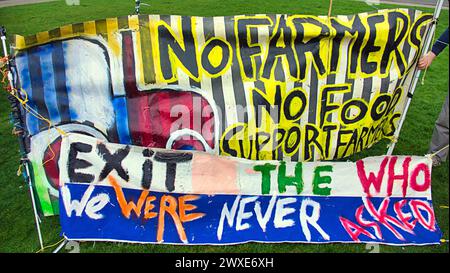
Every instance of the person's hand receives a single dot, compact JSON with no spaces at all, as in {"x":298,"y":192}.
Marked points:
{"x":426,"y":60}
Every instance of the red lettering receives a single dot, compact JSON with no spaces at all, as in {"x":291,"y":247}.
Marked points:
{"x":420,"y":211}
{"x":404,"y":217}
{"x":373,"y":179}
{"x":365,"y":223}
{"x":392,"y":176}
{"x":354,"y":230}
{"x":422,"y":167}
{"x":385,"y":219}
{"x":416,"y":207}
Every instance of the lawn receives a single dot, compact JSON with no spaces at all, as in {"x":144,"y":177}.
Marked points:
{"x":17,"y":230}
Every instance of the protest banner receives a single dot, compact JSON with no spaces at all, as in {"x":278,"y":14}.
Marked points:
{"x":261,"y":87}
{"x":116,"y":192}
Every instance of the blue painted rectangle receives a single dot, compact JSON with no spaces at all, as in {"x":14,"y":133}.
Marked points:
{"x":120,"y":108}
{"x":23,"y":69}
{"x":48,"y":81}
{"x":274,"y":225}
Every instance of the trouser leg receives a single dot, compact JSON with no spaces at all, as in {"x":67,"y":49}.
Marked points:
{"x":440,"y":134}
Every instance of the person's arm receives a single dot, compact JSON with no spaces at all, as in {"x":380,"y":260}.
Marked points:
{"x":441,"y":43}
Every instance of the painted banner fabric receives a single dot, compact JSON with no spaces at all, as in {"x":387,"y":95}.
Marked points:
{"x":85,"y":159}
{"x":381,"y":199}
{"x":262,"y":87}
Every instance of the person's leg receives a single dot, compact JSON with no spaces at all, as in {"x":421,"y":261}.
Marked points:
{"x":440,"y":134}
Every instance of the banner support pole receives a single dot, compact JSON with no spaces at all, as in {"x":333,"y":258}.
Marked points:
{"x":33,"y":201}
{"x":24,"y":159}
{"x":137,"y":7}
{"x":60,"y":246}
{"x":416,"y":76}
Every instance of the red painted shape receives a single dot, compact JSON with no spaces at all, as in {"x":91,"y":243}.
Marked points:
{"x":207,"y":129}
{"x":161,"y":118}
{"x":366,"y":182}
{"x":51,"y":166}
{"x":354,"y":230}
{"x":422,"y":167}
{"x":365,"y":223}
{"x":392,"y":176}
{"x":416,"y":205}
{"x":385,"y":219}
{"x":404,"y":217}
{"x":136,"y":103}
{"x":149,"y":112}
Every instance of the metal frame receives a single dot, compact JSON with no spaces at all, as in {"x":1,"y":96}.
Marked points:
{"x":24,"y":159}
{"x":412,"y":87}
{"x":137,"y":7}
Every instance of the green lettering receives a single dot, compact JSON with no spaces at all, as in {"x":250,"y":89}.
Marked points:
{"x":265,"y":172}
{"x":295,"y":180}
{"x":318,"y":180}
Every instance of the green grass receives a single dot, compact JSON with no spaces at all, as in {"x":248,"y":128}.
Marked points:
{"x":17,"y":230}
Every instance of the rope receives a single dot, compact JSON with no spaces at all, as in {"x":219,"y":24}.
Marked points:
{"x":435,"y":153}
{"x":19,"y":170}
{"x":3,"y":62}
{"x":14,"y":92}
{"x":329,"y":8}
{"x":45,"y":247}
{"x":38,"y":116}
{"x":24,"y":102}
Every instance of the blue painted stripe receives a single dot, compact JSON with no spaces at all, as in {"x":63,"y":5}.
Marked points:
{"x":34,"y":65}
{"x":49,"y":83}
{"x":32,"y":123}
{"x":121,"y":112}
{"x":72,"y":109}
{"x":60,"y":81}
